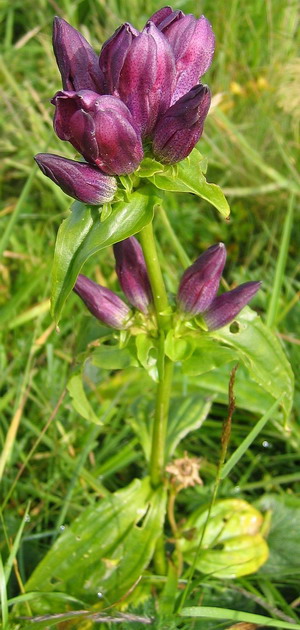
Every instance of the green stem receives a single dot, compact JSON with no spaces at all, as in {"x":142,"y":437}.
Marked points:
{"x":155,"y":276}
{"x":165,"y":366}
{"x":157,"y":460}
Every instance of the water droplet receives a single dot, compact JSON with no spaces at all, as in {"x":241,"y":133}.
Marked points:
{"x":266,"y":444}
{"x":237,"y":489}
{"x":99,"y":594}
{"x":27,"y":518}
{"x":62,"y":528}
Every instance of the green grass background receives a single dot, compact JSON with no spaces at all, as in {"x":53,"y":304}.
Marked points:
{"x":52,"y":457}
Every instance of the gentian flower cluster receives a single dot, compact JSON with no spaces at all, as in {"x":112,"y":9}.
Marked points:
{"x":142,"y":91}
{"x":197,"y":293}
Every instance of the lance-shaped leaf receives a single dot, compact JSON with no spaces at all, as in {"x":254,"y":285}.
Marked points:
{"x":82,"y":234}
{"x":105,"y":550}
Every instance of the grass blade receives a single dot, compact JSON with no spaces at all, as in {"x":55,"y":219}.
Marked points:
{"x":209,"y":612}
{"x":240,"y":451}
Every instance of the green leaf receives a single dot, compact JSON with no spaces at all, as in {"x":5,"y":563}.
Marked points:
{"x":260,"y":351}
{"x":82,"y":234}
{"x":149,"y":167}
{"x":208,"y":355}
{"x":284,"y":535}
{"x":239,"y":616}
{"x":186,"y":414}
{"x":79,"y":399}
{"x":186,"y":176}
{"x":147,"y":352}
{"x":106,"y":549}
{"x":113,"y":358}
{"x":226,"y":540}
{"x":178,"y":348}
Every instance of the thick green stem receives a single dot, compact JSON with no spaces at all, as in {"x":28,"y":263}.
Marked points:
{"x":165,"y":366}
{"x":157,"y":460}
{"x":154,"y":272}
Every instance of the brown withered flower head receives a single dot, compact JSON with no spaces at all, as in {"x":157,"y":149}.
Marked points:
{"x":185,"y":472}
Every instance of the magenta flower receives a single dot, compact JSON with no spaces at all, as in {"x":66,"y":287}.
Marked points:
{"x":226,"y":307}
{"x":113,"y":55}
{"x":200,"y":282}
{"x":78,"y":179}
{"x":199,"y":286}
{"x":132,"y":273}
{"x":101,"y":128}
{"x":147,"y":78}
{"x":192,"y":42}
{"x":76,"y":60}
{"x":181,"y":126}
{"x":102,"y":303}
{"x":143,"y":85}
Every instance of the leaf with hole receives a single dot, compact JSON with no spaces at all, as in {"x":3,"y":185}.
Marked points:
{"x":105,"y":550}
{"x":260,"y":351}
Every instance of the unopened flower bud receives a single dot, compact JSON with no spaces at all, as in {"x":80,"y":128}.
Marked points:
{"x":226,"y":307}
{"x":200,"y":282}
{"x":101,"y":128}
{"x":102,"y":303}
{"x":181,"y":126}
{"x":76,"y":59}
{"x":78,"y":179}
{"x":132,"y":273}
{"x":113,"y":55}
{"x":192,"y":41}
{"x":147,"y":78}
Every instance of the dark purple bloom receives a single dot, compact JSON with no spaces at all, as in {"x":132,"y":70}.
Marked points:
{"x":181,"y":126}
{"x":192,"y":42}
{"x":200,"y":282}
{"x":77,"y":61}
{"x":78,"y":179}
{"x":226,"y":307}
{"x":102,"y":303}
{"x":113,"y":55}
{"x":101,"y":128}
{"x":147,"y":78}
{"x":132,"y":273}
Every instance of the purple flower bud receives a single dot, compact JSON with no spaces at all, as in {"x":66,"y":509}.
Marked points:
{"x":226,"y":307}
{"x":192,"y":42}
{"x":101,"y":128}
{"x":77,"y":61}
{"x":78,"y":179}
{"x":102,"y":303}
{"x":162,"y":14}
{"x":132,"y":273}
{"x":147,"y":78}
{"x":113,"y":55}
{"x":200,"y":282}
{"x":181,"y":126}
